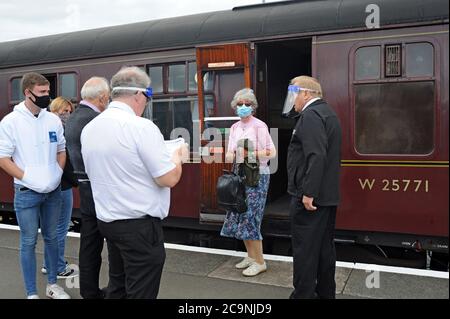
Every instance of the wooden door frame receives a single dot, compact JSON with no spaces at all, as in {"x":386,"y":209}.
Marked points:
{"x":220,"y":57}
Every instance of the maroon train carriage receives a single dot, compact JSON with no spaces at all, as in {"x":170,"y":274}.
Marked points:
{"x":388,"y":84}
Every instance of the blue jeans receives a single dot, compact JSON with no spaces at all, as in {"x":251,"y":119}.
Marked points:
{"x":63,"y":227}
{"x":33,"y":209}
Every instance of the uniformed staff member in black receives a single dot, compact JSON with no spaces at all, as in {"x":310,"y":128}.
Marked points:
{"x":313,"y":164}
{"x":95,"y":94}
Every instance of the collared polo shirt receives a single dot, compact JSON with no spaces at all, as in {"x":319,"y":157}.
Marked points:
{"x":123,"y":154}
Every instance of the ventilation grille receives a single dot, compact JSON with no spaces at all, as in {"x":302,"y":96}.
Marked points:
{"x":393,"y":60}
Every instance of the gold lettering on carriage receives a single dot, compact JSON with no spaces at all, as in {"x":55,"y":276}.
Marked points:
{"x":395,"y":185}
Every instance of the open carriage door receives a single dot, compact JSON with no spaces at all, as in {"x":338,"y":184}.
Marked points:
{"x":224,"y":69}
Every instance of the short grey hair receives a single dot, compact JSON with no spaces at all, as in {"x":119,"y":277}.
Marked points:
{"x":94,"y":88}
{"x":244,"y":94}
{"x":129,"y":77}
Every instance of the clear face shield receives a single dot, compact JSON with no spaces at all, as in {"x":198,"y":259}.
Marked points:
{"x":293,"y":91}
{"x":288,"y":108}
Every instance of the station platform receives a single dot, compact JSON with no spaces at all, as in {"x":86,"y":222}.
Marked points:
{"x":203,"y":273}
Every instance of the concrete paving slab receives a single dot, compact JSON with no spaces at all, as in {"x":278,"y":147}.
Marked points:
{"x":186,"y":262}
{"x":395,"y":286}
{"x":183,"y":286}
{"x":278,"y":273}
{"x":341,"y":277}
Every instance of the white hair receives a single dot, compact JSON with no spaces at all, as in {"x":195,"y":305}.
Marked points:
{"x":94,"y":87}
{"x":244,"y":94}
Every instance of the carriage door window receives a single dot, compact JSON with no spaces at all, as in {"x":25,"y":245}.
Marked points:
{"x":222,"y":86}
{"x":367,"y":63}
{"x":419,"y":59}
{"x":395,"y":115}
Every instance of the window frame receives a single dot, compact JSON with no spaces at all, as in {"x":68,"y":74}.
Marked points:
{"x":353,"y":82}
{"x":166,"y":94}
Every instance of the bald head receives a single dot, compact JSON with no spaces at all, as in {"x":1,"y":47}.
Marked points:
{"x":96,"y":91}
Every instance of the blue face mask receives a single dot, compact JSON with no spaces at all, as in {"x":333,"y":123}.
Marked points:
{"x":244,"y":111}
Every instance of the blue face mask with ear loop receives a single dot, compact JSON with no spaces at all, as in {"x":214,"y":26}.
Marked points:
{"x":244,"y":110}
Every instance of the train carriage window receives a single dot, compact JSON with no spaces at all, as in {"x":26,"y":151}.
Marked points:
{"x":156,"y":76}
{"x":394,"y":118}
{"x":16,"y":92}
{"x":419,"y":59}
{"x":175,"y":113}
{"x":68,"y":86}
{"x":177,"y":78}
{"x":367,"y":64}
{"x":192,"y":68}
{"x":53,"y":79}
{"x":161,"y":117}
{"x":175,"y":103}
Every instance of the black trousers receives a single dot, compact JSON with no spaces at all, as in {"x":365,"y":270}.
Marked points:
{"x":313,"y":251}
{"x":136,"y":257}
{"x":91,"y":246}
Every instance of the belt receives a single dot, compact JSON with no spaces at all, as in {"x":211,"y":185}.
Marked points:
{"x":23,"y":189}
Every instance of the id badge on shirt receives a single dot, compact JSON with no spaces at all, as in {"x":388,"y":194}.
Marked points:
{"x":53,"y":137}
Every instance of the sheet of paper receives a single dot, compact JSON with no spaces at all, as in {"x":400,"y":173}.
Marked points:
{"x":175,"y":144}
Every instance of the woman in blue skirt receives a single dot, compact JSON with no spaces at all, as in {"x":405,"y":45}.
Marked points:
{"x":247,"y":226}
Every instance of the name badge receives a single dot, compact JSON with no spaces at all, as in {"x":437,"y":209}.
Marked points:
{"x":52,"y":136}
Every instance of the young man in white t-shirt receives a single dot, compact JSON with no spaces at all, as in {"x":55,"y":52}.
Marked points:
{"x":32,"y":150}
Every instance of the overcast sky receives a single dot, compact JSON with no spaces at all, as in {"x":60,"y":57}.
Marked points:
{"x":21,"y":19}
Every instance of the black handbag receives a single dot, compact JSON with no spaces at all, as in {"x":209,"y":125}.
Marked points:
{"x":250,"y":171}
{"x":231,"y":194}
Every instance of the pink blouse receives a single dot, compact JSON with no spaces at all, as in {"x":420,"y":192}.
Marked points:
{"x":256,"y":131}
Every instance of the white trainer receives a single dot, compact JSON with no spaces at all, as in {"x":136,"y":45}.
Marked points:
{"x":254,"y":269}
{"x":247,"y":261}
{"x":33,"y":297}
{"x":56,"y":292}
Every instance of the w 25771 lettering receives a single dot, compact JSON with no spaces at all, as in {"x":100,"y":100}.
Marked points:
{"x":395,"y":185}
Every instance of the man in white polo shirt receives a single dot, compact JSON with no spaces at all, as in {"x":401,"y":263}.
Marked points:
{"x":33,"y":151}
{"x":131,"y":172}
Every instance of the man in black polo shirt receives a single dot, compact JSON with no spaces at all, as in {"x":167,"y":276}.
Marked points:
{"x":313,"y":165}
